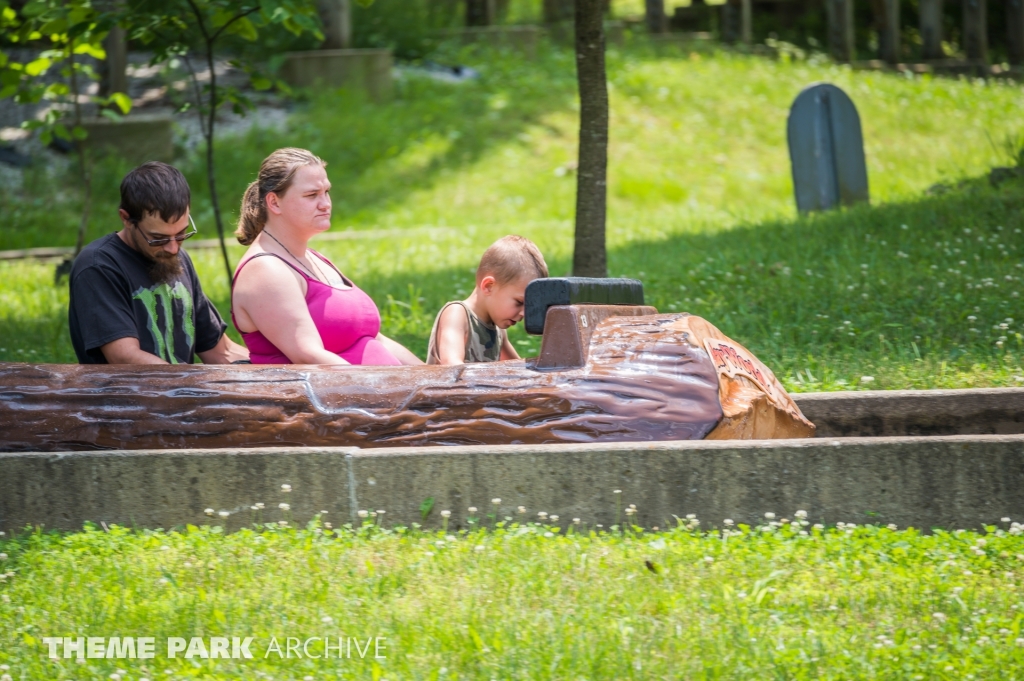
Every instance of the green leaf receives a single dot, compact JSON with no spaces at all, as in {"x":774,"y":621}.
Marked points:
{"x":122,"y":101}
{"x":245,"y":29}
{"x":94,"y":50}
{"x":61,"y":131}
{"x":79,"y":133}
{"x":37,"y":67}
{"x":261,"y":83}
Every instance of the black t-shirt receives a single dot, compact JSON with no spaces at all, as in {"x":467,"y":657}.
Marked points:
{"x":113,"y":296}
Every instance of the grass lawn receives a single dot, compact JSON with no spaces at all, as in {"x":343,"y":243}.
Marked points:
{"x":917,"y":291}
{"x":526,"y":601}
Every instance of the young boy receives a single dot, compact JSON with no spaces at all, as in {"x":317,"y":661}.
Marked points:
{"x":473,"y":330}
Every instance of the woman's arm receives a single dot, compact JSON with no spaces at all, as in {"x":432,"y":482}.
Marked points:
{"x":271,"y":297}
{"x":400,"y":352}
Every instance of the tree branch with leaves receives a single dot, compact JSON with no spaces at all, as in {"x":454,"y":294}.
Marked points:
{"x":180,"y":28}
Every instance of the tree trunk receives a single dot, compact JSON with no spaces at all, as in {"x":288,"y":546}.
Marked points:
{"x":654,"y":16}
{"x":557,"y":10}
{"x":480,"y":12}
{"x":114,"y":69}
{"x":589,"y":257}
{"x":975,"y":27}
{"x":211,"y":179}
{"x":930,"y":26}
{"x":336,"y":16}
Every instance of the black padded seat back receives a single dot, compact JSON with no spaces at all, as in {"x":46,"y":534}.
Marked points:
{"x":543,"y":293}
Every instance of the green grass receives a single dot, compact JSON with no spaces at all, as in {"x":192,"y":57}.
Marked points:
{"x":528,"y":601}
{"x":700,"y":209}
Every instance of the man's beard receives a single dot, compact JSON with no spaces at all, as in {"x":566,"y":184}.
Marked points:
{"x":165,"y":268}
{"x":162,"y":268}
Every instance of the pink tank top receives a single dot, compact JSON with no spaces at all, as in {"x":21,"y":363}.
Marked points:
{"x":347,"y":319}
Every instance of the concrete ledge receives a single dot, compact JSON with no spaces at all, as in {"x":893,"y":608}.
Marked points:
{"x":915,"y":412}
{"x":523,"y":39}
{"x":369,"y":70}
{"x":954,"y":481}
{"x":138,"y":138}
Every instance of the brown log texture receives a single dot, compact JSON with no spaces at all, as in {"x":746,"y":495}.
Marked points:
{"x":646,"y":378}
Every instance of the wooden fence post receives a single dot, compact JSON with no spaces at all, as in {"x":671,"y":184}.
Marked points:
{"x":930,"y":18}
{"x":1015,"y":30}
{"x":889,"y":38}
{"x":840,"y":29}
{"x":976,"y":29}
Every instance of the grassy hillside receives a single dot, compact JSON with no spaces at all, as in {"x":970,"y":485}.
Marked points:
{"x":910,"y":292}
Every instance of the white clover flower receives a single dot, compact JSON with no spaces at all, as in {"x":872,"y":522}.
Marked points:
{"x":472,"y":509}
{"x":548,"y":535}
{"x":575,"y":521}
{"x":210,"y":512}
{"x":446,"y":514}
{"x":617,"y":491}
{"x":892,"y":526}
{"x":286,"y":488}
{"x":554,"y":518}
{"x":630,"y":511}
{"x":769,"y":515}
{"x":521,"y":509}
{"x":3,"y":556}
{"x":728,"y":522}
{"x":324,"y":512}
{"x":113,"y":677}
{"x":380,"y":512}
{"x":1020,"y":642}
{"x":1004,"y":520}
{"x":326,"y":619}
{"x":479,"y":547}
{"x":282,"y":523}
{"x":373,"y":514}
{"x":800,"y":515}
{"x":542,"y":514}
{"x":496,"y":501}
{"x":709,"y":559}
{"x":362,"y":513}
{"x":689,"y":516}
{"x":224,"y":514}
{"x":284,"y":507}
{"x":260,"y":506}
{"x":941,"y":617}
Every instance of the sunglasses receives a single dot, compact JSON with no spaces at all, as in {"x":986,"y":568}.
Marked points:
{"x":167,"y":239}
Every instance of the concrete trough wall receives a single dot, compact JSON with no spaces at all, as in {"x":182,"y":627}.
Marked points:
{"x":915,"y":412}
{"x":948,"y":481}
{"x":368,"y":70}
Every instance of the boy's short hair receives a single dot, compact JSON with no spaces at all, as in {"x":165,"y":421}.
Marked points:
{"x":510,"y":258}
{"x":155,"y":188}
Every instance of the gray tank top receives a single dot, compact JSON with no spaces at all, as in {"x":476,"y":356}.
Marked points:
{"x":484,"y":342}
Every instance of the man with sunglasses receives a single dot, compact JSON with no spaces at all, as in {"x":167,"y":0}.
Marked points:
{"x":135,"y":296}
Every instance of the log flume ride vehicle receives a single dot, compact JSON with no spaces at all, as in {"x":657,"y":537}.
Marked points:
{"x":610,"y":369}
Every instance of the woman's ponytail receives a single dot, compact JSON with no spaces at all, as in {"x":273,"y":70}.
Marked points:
{"x":252,"y":216}
{"x":276,"y":174}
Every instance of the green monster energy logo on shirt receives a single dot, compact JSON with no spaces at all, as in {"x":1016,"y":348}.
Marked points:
{"x":165,"y":296}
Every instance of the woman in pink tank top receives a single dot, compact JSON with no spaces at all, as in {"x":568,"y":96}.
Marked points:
{"x":290,"y":303}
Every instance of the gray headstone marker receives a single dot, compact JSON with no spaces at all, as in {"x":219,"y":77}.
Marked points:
{"x":826,"y":148}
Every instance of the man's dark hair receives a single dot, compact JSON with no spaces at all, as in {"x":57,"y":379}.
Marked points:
{"x":155,"y":187}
